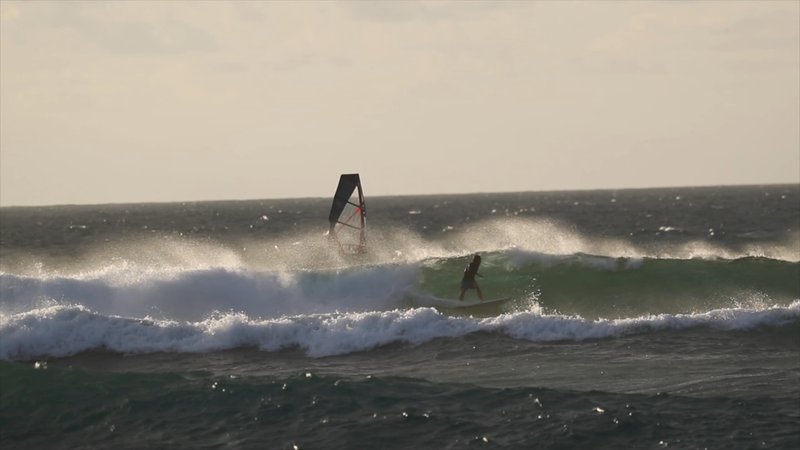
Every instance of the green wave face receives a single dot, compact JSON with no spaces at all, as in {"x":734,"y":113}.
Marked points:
{"x":598,"y":286}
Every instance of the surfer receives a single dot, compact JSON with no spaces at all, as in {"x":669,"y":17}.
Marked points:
{"x":468,"y":281}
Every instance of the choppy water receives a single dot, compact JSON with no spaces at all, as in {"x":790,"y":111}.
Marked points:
{"x":639,"y":318}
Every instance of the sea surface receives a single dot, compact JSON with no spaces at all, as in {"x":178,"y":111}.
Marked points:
{"x":647,"y":318}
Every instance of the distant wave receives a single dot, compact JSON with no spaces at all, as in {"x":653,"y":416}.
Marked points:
{"x":390,"y":244}
{"x":59,"y":331}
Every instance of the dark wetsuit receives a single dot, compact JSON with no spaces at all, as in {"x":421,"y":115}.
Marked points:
{"x":468,"y":282}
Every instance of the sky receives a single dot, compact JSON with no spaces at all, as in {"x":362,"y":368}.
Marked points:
{"x":117,"y":102}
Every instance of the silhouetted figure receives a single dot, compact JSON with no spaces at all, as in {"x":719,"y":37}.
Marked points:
{"x":468,"y":282}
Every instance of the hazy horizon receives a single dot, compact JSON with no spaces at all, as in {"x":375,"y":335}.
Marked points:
{"x":128,"y":102}
{"x":367,"y":196}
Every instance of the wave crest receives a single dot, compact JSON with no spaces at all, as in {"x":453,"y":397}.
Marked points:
{"x":59,"y":331}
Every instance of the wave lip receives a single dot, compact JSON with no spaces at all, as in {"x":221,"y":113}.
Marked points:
{"x":59,"y":331}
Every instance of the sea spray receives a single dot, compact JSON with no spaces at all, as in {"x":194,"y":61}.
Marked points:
{"x":637,"y":318}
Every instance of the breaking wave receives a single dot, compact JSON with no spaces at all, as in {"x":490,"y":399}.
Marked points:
{"x":58,"y":331}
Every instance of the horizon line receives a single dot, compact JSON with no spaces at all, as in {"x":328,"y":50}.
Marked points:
{"x":157,"y":202}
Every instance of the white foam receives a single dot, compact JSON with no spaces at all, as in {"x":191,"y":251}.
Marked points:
{"x":61,"y":330}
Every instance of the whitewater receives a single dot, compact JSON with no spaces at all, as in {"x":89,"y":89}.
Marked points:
{"x":59,"y":331}
{"x":639,"y":318}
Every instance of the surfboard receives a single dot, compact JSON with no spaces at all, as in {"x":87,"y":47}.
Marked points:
{"x":438,"y":302}
{"x":348,"y":216}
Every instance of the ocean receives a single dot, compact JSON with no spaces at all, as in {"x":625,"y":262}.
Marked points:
{"x":646,"y":318}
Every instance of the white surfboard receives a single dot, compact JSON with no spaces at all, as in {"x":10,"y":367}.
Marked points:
{"x":430,"y":300}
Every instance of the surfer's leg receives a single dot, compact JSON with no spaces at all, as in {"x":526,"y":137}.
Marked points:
{"x":478,"y":288}
{"x":461,"y":297}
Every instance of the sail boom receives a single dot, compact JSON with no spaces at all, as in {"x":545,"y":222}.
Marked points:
{"x":349,"y":226}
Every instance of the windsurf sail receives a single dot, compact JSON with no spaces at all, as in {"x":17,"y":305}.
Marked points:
{"x":348,"y":218}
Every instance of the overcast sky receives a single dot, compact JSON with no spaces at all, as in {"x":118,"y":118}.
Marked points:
{"x":110,"y":102}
